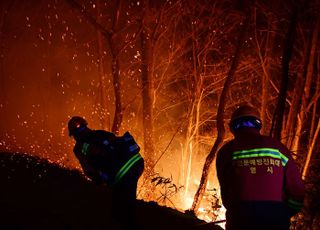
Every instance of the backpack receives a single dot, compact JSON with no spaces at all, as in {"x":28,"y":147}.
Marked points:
{"x":114,"y":158}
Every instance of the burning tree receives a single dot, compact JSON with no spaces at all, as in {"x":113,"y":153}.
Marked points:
{"x":170,"y":71}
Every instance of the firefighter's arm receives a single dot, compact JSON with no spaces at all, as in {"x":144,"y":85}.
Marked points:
{"x":83,"y":151}
{"x":91,"y":172}
{"x":294,"y":186}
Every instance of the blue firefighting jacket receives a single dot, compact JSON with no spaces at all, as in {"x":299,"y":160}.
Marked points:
{"x":106,"y":158}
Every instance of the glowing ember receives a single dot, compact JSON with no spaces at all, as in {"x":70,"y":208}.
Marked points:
{"x":160,"y":79}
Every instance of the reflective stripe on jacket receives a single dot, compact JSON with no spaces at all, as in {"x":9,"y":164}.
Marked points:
{"x":253,"y":167}
{"x":106,"y":162}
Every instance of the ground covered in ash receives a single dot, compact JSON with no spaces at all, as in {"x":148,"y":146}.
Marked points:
{"x":37,"y":194}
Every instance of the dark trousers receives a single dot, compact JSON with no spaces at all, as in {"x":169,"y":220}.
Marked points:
{"x":258,"y":215}
{"x":124,"y":198}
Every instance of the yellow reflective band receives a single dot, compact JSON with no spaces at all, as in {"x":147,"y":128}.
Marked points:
{"x":125,"y":168}
{"x":260,"y":152}
{"x":84,"y":148}
{"x":256,"y":150}
{"x":294,"y":204}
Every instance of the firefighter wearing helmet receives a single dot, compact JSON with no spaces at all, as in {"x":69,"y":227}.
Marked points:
{"x":260,"y":184}
{"x":76,"y":125}
{"x":111,"y":161}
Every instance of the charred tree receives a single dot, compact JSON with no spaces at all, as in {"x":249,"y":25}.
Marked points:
{"x":287,"y":53}
{"x":308,"y":78}
{"x":313,"y":103}
{"x":147,"y":48}
{"x":302,"y":91}
{"x":114,"y":53}
{"x":220,"y":115}
{"x":118,"y":113}
{"x":292,"y":119}
{"x":310,"y":150}
{"x":195,"y":92}
{"x":147,"y":42}
{"x":266,"y":56}
{"x":310,"y":173}
{"x":103,"y":110}
{"x":312,"y":71}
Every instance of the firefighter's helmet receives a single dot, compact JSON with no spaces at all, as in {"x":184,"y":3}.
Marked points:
{"x":245,"y":113}
{"x":75,"y":124}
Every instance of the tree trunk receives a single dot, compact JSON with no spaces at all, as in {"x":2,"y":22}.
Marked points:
{"x":310,"y":151}
{"x":118,"y":113}
{"x":302,"y":90}
{"x":192,"y":138}
{"x":287,"y":53}
{"x":307,"y":75}
{"x":295,"y":107}
{"x":313,"y":103}
{"x":103,"y":110}
{"x":195,"y":86}
{"x":115,"y":69}
{"x":266,"y":60}
{"x":220,"y":121}
{"x":147,"y":89}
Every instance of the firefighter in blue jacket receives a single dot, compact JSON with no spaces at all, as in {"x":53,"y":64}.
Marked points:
{"x":110,"y":160}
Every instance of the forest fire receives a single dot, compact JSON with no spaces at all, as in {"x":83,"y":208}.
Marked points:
{"x":171,"y":73}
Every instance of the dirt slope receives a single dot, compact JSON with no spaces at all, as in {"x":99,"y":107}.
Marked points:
{"x":36,"y":194}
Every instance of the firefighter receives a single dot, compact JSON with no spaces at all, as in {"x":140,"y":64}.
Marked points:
{"x":112,"y":161}
{"x":261,"y":187}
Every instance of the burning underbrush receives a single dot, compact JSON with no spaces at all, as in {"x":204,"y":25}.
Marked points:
{"x":37,"y":194}
{"x":167,"y":193}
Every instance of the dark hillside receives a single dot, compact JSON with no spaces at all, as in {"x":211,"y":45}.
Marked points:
{"x":36,"y":194}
